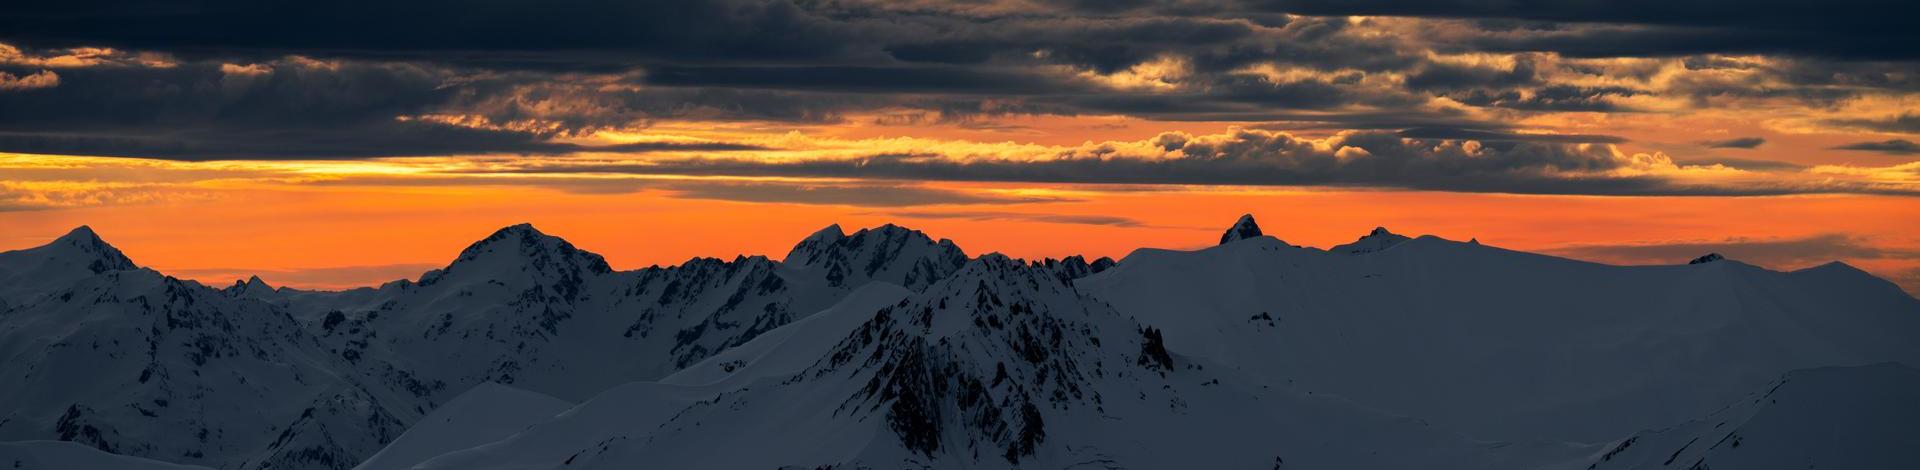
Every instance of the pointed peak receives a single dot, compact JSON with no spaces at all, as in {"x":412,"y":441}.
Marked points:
{"x":803,"y":252}
{"x":251,"y":284}
{"x":521,"y":231}
{"x":1707,"y":258}
{"x":81,"y":233}
{"x":829,"y":233}
{"x":1242,"y":229}
{"x":1375,"y":240}
{"x":84,"y":247}
{"x":523,"y":244}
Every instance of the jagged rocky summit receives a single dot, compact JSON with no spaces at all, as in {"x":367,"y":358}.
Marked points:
{"x":1242,"y":229}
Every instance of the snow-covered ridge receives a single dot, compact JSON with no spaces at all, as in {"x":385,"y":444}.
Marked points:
{"x":1377,"y":240}
{"x":351,"y":370}
{"x":889,"y":348}
{"x":890,"y":253}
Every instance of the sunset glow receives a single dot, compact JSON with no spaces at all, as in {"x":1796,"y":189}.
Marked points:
{"x":1020,"y":127}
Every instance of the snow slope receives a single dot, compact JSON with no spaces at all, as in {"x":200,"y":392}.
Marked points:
{"x":484,"y":414}
{"x":1505,"y":345}
{"x":999,"y":365}
{"x":1835,"y":417}
{"x":59,"y":455}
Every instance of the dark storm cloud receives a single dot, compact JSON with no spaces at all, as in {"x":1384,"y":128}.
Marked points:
{"x":1904,"y":124}
{"x":1483,"y":135}
{"x":859,"y":79}
{"x":1772,"y":252}
{"x":1251,"y":157}
{"x":607,"y":182}
{"x":1550,"y":98}
{"x":863,"y":195}
{"x":673,"y":29}
{"x":292,"y":93}
{"x":370,"y":141}
{"x":1439,"y":76}
{"x":1110,"y":221}
{"x":1283,"y":121}
{"x":517,"y":76}
{"x":301,"y":108}
{"x":1670,"y":41}
{"x":1890,"y":147}
{"x":1735,"y":143}
{"x":1845,"y":29}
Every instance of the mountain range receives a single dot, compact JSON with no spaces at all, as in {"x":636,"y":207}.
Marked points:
{"x":888,"y":348}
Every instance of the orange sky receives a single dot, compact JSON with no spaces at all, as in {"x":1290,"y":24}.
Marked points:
{"x":336,"y":221}
{"x":334,"y":237}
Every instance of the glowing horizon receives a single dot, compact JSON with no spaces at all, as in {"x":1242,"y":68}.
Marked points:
{"x":1031,"y":128}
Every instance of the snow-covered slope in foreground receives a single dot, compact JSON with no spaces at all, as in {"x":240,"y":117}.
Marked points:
{"x":1857,"y":418}
{"x":1504,"y":345}
{"x":62,"y":455}
{"x":487,"y":413}
{"x":1000,"y":365}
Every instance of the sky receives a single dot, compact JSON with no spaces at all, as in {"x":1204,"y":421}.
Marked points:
{"x":341,"y":144}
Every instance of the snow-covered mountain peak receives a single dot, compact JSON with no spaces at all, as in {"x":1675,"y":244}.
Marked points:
{"x":77,"y":255}
{"x":889,"y":253}
{"x":1707,"y":258}
{"x":803,"y":252}
{"x":1242,"y":229}
{"x":522,"y":248}
{"x":1376,"y":240}
{"x":84,"y":247}
{"x":253,"y":285}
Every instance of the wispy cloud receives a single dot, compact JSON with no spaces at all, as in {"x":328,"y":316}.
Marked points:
{"x":1112,"y":221}
{"x":1781,"y":252}
{"x":1735,"y":143}
{"x":1243,"y":156}
{"x":847,"y":194}
{"x":1890,"y":147}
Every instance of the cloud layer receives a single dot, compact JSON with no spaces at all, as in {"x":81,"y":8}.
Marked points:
{"x":1447,"y":95}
